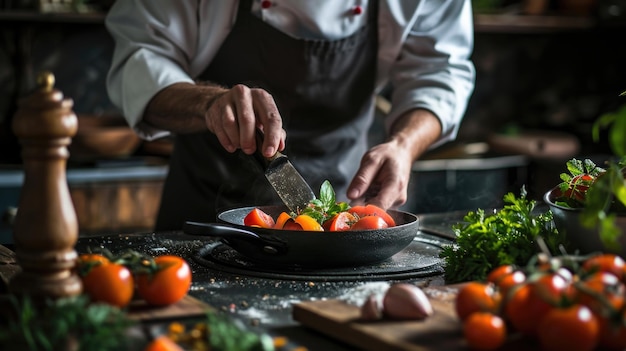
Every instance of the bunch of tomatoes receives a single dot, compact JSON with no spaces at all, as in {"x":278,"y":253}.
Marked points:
{"x":560,"y":303}
{"x":116,"y":280}
{"x":360,"y":217}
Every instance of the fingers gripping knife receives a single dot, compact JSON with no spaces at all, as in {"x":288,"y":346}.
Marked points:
{"x":293,"y":190}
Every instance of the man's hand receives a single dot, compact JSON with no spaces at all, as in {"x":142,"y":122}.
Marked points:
{"x":231,"y":114}
{"x":385,"y":171}
{"x":383,"y":177}
{"x":235,"y":115}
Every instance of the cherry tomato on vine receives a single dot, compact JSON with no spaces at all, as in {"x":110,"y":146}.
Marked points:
{"x":258,"y":218}
{"x":169,"y":283}
{"x":484,"y":331}
{"x":496,"y":274}
{"x":110,"y":283}
{"x":605,"y":263}
{"x":599,"y":288}
{"x":505,"y":277}
{"x":573,"y":328}
{"x":89,"y":258}
{"x":509,"y":281}
{"x":369,"y":222}
{"x":476,"y":297}
{"x":613,"y":332}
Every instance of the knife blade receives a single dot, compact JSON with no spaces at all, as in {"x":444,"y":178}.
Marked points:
{"x":287,"y":182}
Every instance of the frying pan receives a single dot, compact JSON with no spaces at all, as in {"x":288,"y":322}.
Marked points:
{"x":308,"y":248}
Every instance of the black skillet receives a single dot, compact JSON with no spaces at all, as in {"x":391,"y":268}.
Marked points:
{"x":308,"y":248}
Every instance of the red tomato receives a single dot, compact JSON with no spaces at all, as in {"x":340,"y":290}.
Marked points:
{"x":91,"y":258}
{"x":484,"y":331}
{"x":168,"y":284}
{"x":525,"y":309}
{"x":110,"y":283}
{"x":612,"y":332}
{"x":476,"y":297}
{"x":528,"y":304}
{"x":509,"y":281}
{"x":369,"y":222}
{"x":605,"y":263}
{"x":340,"y":222}
{"x":257,"y":217}
{"x":163,"y":343}
{"x":597,"y":289}
{"x":573,"y":328}
{"x":372,"y":210}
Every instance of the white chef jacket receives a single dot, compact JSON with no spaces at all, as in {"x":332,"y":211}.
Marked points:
{"x":423,"y":51}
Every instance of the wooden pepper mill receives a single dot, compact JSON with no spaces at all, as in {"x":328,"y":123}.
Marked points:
{"x":45,"y":229}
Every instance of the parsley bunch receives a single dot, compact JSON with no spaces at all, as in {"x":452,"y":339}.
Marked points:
{"x":508,"y":236}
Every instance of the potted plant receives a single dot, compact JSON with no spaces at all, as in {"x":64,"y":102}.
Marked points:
{"x":589,"y":205}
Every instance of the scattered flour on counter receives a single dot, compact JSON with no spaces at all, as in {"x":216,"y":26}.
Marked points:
{"x":359,"y":294}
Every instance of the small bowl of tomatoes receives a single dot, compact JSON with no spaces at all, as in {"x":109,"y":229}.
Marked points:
{"x":568,"y":200}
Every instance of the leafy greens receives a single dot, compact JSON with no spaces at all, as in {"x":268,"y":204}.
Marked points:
{"x":508,"y":236}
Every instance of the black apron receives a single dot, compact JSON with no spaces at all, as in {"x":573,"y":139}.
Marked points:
{"x":324,"y":92}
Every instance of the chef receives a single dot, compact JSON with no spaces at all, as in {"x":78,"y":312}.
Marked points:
{"x":305,"y":73}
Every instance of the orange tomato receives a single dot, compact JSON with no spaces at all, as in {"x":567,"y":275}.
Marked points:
{"x":476,"y":297}
{"x":281,"y":219}
{"x":308,"y":223}
{"x":257,"y":217}
{"x":484,"y":331}
{"x":340,"y":222}
{"x":168,"y":284}
{"x":372,"y":210}
{"x":110,"y":283}
{"x":163,"y":343}
{"x":573,"y":328}
{"x":369,"y":222}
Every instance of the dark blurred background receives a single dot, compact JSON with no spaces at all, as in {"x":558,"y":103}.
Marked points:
{"x":546,"y":71}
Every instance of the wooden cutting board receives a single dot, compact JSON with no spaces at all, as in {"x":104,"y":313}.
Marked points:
{"x":442,"y":331}
{"x":187,"y":307}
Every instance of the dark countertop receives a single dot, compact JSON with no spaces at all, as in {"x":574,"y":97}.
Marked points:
{"x":263,"y":303}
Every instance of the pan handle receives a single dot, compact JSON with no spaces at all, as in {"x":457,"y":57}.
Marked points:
{"x":227,"y":233}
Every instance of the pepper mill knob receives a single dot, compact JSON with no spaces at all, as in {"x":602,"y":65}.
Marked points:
{"x":45,"y":228}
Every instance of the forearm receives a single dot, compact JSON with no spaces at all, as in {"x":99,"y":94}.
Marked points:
{"x":180,"y":108}
{"x":415,"y":131}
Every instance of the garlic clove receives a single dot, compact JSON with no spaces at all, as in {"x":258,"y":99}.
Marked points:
{"x":406,"y":301}
{"x":371,"y":309}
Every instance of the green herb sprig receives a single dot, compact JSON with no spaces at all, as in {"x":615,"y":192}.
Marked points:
{"x":508,"y":236}
{"x":326,"y":206}
{"x":70,"y":323}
